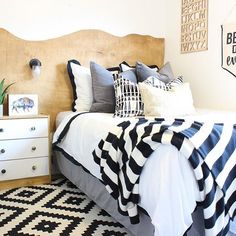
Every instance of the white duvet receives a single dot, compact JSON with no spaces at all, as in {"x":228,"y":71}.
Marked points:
{"x":168,"y":190}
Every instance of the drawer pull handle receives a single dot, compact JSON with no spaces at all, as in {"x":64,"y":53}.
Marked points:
{"x":32,"y":128}
{"x":3,"y":171}
{"x":1,"y":130}
{"x":2,"y":151}
{"x":33,"y":148}
{"x":34,"y":167}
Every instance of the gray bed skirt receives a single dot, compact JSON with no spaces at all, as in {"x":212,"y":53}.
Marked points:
{"x":96,"y":191}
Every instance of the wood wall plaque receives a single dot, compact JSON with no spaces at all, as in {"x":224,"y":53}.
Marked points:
{"x":194,"y":25}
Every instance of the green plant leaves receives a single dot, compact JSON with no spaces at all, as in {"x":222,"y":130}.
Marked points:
{"x":3,"y":91}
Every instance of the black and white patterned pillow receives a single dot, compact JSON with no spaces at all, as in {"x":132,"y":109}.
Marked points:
{"x":128,"y":98}
{"x":176,"y":82}
{"x":155,"y":82}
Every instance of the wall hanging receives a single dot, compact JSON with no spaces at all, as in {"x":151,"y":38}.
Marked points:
{"x":194,"y":25}
{"x":228,"y":45}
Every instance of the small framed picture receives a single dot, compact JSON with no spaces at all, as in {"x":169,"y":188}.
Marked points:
{"x":22,"y":104}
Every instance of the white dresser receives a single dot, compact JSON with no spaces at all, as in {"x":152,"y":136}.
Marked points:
{"x":24,"y":151}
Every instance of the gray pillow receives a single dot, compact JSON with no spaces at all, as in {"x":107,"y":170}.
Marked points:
{"x":130,"y":75}
{"x":167,"y":71}
{"x":165,"y":74}
{"x":103,"y":89}
{"x":143,"y":71}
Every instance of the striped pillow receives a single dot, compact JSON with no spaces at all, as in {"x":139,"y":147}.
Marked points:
{"x":176,"y":82}
{"x":155,"y":82}
{"x":128,"y":98}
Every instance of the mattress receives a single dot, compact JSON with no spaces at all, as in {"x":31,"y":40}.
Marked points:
{"x":174,"y":192}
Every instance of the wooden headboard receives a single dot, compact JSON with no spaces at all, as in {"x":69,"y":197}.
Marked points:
{"x":53,"y":87}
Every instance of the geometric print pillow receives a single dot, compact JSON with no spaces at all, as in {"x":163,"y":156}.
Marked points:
{"x":155,"y":82}
{"x":175,"y":82}
{"x":128,"y":98}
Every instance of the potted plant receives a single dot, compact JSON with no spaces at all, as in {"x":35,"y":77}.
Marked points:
{"x":3,"y":92}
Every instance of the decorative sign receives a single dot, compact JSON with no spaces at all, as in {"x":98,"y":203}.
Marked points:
{"x":22,"y":104}
{"x":194,"y":25}
{"x":228,"y":42}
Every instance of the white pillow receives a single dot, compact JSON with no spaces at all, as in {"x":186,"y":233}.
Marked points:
{"x":176,"y":102}
{"x":83,"y":84}
{"x":125,"y":67}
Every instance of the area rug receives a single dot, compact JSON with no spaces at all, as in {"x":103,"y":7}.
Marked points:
{"x":56,"y":209}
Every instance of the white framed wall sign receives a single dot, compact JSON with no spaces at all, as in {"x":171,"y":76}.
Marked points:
{"x":228,"y":50}
{"x":194,"y":25}
{"x":22,"y":104}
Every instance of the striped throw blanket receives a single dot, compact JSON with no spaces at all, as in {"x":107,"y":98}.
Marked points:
{"x":209,"y":147}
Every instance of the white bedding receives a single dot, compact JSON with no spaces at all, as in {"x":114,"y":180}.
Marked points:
{"x":168,"y":190}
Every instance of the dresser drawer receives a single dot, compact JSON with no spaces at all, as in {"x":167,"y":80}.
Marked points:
{"x":23,"y":148}
{"x":24,"y":168}
{"x":23,"y":128}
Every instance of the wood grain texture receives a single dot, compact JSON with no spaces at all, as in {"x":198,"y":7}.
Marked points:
{"x":16,"y":183}
{"x":53,"y":87}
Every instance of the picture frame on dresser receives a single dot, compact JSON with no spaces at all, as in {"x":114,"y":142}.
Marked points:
{"x":22,"y":104}
{"x":24,"y":151}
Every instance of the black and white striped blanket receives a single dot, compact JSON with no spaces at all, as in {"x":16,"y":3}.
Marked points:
{"x":210,"y":148}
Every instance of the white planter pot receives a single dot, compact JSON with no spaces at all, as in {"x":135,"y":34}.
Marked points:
{"x":1,"y":110}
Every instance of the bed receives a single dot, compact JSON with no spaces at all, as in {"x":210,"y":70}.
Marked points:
{"x":167,"y":205}
{"x":177,"y":196}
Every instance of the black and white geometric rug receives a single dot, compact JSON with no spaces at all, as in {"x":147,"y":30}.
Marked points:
{"x":59,"y":209}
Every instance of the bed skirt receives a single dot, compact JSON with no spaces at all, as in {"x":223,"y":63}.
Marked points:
{"x":96,"y":191}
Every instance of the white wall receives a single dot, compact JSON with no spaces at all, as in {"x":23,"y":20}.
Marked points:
{"x":212,"y":86}
{"x":34,"y":20}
